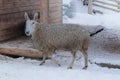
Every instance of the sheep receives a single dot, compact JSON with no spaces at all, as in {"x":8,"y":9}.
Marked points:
{"x":51,"y":37}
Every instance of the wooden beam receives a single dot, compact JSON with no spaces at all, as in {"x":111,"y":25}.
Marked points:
{"x":90,"y":10}
{"x":44,"y":11}
{"x":106,"y":3}
{"x":21,"y":52}
{"x":117,"y":10}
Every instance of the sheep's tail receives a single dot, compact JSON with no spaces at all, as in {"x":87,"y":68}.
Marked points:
{"x":92,"y":34}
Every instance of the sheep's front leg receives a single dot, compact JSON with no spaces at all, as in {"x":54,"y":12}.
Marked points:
{"x":44,"y":58}
{"x":74,"y":56}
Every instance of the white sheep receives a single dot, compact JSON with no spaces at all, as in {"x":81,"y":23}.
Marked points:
{"x":51,"y":37}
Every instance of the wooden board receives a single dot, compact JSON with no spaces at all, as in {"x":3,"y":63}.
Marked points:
{"x":55,"y":11}
{"x":51,"y":11}
{"x":19,"y":47}
{"x":12,"y":16}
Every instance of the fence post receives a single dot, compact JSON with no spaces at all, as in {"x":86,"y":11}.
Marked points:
{"x":90,"y":10}
{"x":118,"y":4}
{"x":51,"y":11}
{"x":44,"y":14}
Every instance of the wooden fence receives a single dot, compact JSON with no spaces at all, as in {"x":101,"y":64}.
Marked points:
{"x":113,"y":5}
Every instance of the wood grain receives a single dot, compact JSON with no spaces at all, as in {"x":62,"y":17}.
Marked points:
{"x":12,"y":16}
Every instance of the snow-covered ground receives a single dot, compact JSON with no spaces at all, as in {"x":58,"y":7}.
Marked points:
{"x":104,"y":47}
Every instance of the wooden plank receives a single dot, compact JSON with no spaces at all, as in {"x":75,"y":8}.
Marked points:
{"x":117,"y":10}
{"x":8,"y":11}
{"x":55,"y":1}
{"x":16,"y":1}
{"x":21,"y":52}
{"x":55,"y":11}
{"x":10,"y":33}
{"x":106,"y":3}
{"x":56,"y":21}
{"x":1,"y":1}
{"x":115,"y":0}
{"x":15,"y":29}
{"x":18,"y":5}
{"x":55,"y":8}
{"x":19,"y":16}
{"x":11,"y":25}
{"x":21,"y":46}
{"x":44,"y":13}
{"x":12,"y":16}
{"x":8,"y":36}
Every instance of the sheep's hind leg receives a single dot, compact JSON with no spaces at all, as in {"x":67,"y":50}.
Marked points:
{"x":54,"y":60}
{"x":85,"y":59}
{"x":43,"y":60}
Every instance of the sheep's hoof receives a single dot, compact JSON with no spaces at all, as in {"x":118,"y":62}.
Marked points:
{"x":42,"y":62}
{"x":85,"y":67}
{"x":69,"y":67}
{"x":59,"y":65}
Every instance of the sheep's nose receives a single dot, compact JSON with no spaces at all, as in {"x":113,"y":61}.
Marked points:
{"x":27,"y":33}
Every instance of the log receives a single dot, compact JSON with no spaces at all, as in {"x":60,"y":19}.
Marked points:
{"x":21,"y":52}
{"x":19,"y":47}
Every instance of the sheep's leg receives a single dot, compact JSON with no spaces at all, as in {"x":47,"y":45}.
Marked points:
{"x":44,"y":58}
{"x":55,"y":61}
{"x":74,"y":56}
{"x":85,"y":59}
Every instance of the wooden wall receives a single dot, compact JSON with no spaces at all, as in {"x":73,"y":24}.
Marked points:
{"x":51,"y":11}
{"x":12,"y":16}
{"x":55,"y":11}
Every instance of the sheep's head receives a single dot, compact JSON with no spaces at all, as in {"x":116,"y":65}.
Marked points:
{"x":30,"y":24}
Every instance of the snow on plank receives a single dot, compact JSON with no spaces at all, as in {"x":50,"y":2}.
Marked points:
{"x":19,"y":47}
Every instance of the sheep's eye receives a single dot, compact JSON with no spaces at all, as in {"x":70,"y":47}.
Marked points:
{"x":32,"y":22}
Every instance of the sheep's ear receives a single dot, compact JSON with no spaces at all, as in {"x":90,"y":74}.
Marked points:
{"x":36,"y":16}
{"x":26,"y":16}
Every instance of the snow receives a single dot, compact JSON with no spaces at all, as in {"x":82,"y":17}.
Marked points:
{"x":66,"y":2}
{"x":104,"y":47}
{"x":20,"y":69}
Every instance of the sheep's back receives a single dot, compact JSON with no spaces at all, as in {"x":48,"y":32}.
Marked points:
{"x":60,"y":36}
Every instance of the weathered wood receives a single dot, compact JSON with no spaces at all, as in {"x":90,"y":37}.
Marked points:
{"x":19,"y":47}
{"x":113,"y":9}
{"x":55,"y":1}
{"x":12,"y":16}
{"x":44,"y":14}
{"x":21,"y":52}
{"x":107,"y":5}
{"x":8,"y":11}
{"x":51,"y":11}
{"x":90,"y":7}
{"x":55,"y":11}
